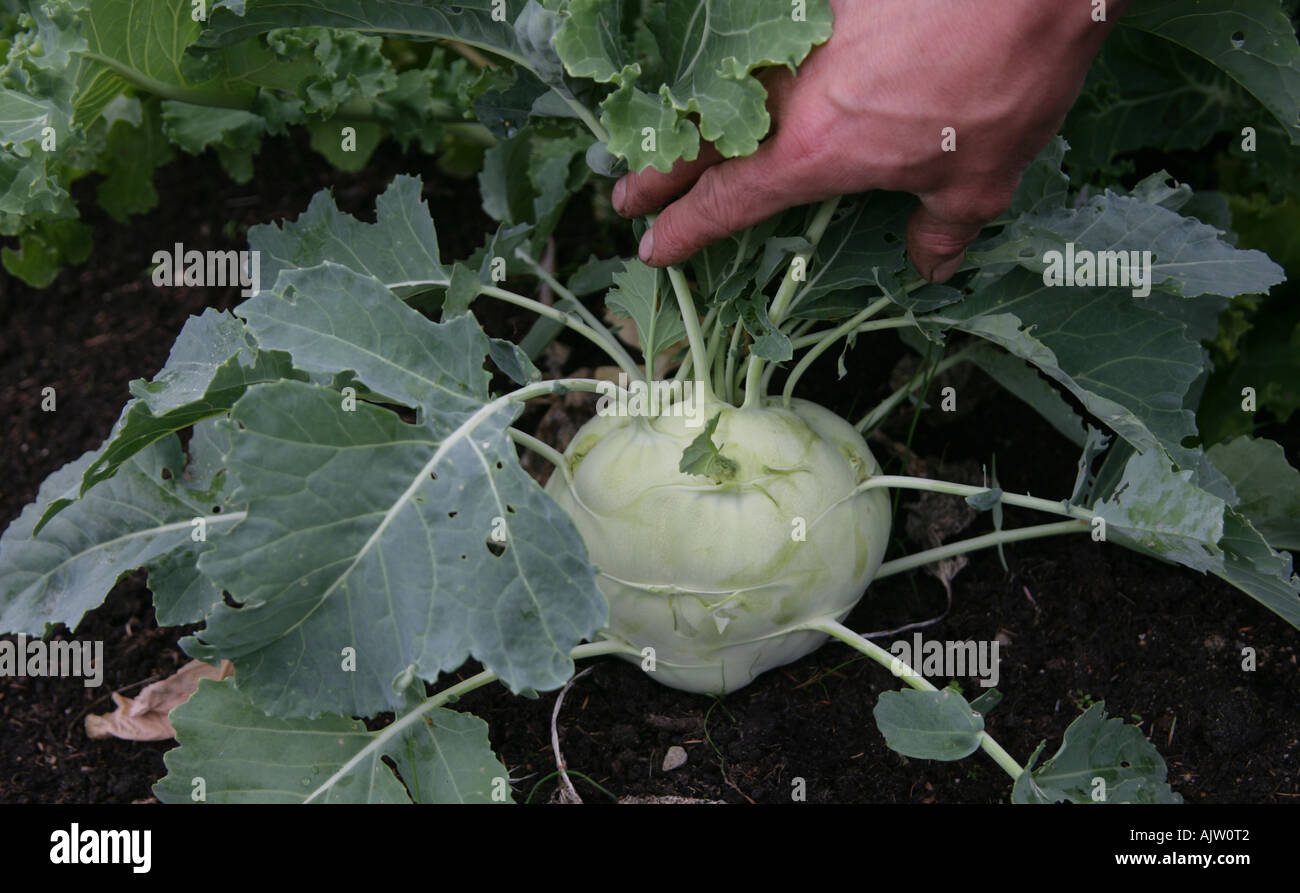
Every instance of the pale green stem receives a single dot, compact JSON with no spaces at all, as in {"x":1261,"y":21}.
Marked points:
{"x":540,"y":447}
{"x":998,"y":537}
{"x":817,"y":229}
{"x":597,"y":129}
{"x":699,"y":353}
{"x":913,"y":678}
{"x":611,"y":345}
{"x":718,"y":364}
{"x":768,"y":371}
{"x":893,"y":322}
{"x":882,"y":411}
{"x":601,"y":338}
{"x":379,"y":744}
{"x":902,"y":482}
{"x":733,"y":356}
{"x":709,"y":325}
{"x":829,"y":339}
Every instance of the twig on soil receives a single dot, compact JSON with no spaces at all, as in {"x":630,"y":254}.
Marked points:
{"x":568,"y":793}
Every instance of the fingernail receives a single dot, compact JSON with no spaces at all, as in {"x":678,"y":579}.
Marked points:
{"x":944,"y":271}
{"x":647,"y":249}
{"x":620,"y":195}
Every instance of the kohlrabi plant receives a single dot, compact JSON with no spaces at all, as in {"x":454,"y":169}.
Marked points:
{"x":329,"y":482}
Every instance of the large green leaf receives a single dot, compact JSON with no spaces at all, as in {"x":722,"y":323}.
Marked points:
{"x":370,"y":534}
{"x":132,"y":520}
{"x":1267,"y":486}
{"x":1130,"y":366}
{"x":331,"y":319}
{"x":142,"y":43}
{"x":1100,"y":761}
{"x":232,"y":752}
{"x":1254,"y":567}
{"x":208,"y":369}
{"x":1250,"y":40}
{"x":401,"y":246}
{"x":467,"y":21}
{"x":1160,"y":511}
{"x":1188,"y":257}
{"x":1144,"y":90}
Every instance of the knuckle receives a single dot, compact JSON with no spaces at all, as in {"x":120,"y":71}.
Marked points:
{"x":715,"y":203}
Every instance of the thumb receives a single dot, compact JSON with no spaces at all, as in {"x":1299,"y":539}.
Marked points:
{"x":937,"y":245}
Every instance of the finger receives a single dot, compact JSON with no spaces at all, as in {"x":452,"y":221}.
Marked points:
{"x":942,"y":228}
{"x":638,"y":194}
{"x":727,"y":198}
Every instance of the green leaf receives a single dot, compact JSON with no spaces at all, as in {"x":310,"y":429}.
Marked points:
{"x":1160,"y":511}
{"x":330,"y":318}
{"x":127,"y":522}
{"x":703,"y":457}
{"x":984,"y":704}
{"x":1250,"y":40}
{"x":929,"y":725}
{"x":1268,"y":365}
{"x":1130,"y":366}
{"x":467,"y":21}
{"x":702,"y":56}
{"x":513,"y":362}
{"x":401,"y":246}
{"x":1188,"y":258}
{"x":210,"y":366}
{"x":1020,"y":379}
{"x":1100,"y":761}
{"x":370,"y":534}
{"x":143,"y":43}
{"x":132,"y":153}
{"x":1267,"y":486}
{"x":244,"y":756}
{"x":1258,"y":570}
{"x":770,"y":342}
{"x":638,"y":294}
{"x":327,"y":138}
{"x":1144,"y":90}
{"x":45,"y":249}
{"x":596,"y":275}
{"x":1043,"y":187}
{"x":235,"y":135}
{"x":866,"y":237}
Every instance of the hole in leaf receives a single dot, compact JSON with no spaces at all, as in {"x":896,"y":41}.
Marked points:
{"x":510,"y":509}
{"x":452,"y":514}
{"x":1124,"y":764}
{"x":499,"y":465}
{"x":433,"y":475}
{"x":497,"y":549}
{"x":216,"y":510}
{"x":230,"y":600}
{"x":463,"y":557}
{"x":166,"y":474}
{"x":890,"y":238}
{"x":1238,"y":39}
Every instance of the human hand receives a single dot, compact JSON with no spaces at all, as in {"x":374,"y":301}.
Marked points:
{"x":870,"y":110}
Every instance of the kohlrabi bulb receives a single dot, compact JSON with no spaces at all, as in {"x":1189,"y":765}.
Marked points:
{"x":716,"y":573}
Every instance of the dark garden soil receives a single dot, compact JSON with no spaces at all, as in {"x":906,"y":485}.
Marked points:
{"x":1079,"y":621}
